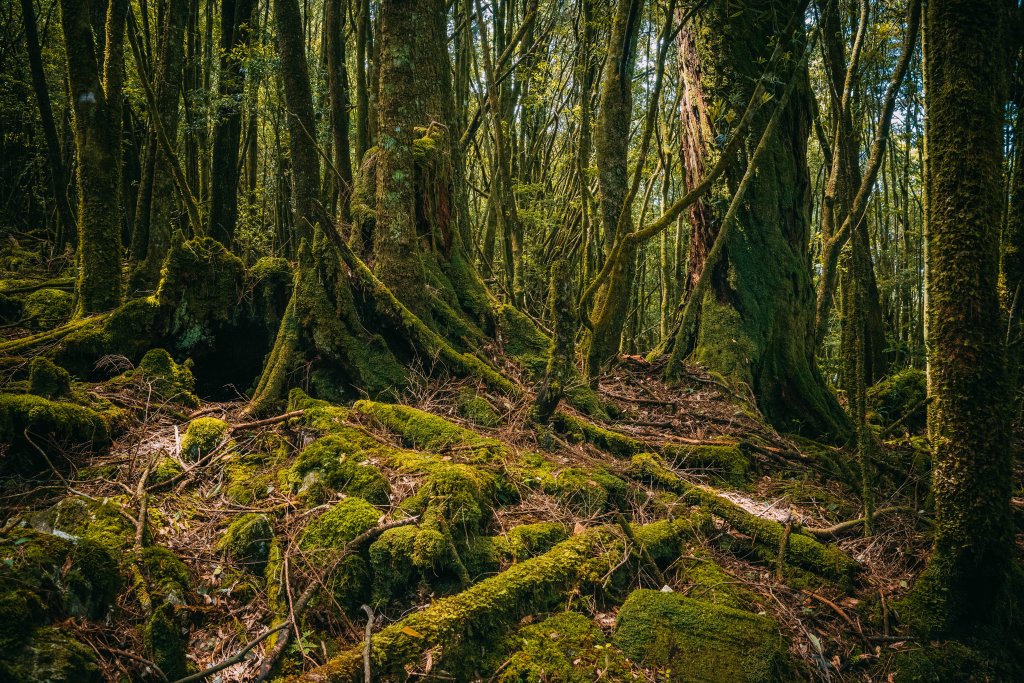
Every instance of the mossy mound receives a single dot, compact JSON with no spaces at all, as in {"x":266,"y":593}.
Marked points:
{"x":166,"y":575}
{"x":119,"y":334}
{"x":697,"y":640}
{"x":901,"y":397}
{"x":51,"y":655}
{"x":165,"y":642}
{"x":491,"y":554}
{"x":247,"y":541}
{"x":60,"y":428}
{"x":251,"y":478}
{"x":337,"y":463}
{"x":47,"y":379}
{"x":202,"y":436}
{"x":165,"y":470}
{"x":705,"y":580}
{"x":726,"y":462}
{"x":100,"y":521}
{"x":46,"y":309}
{"x":169,"y":380}
{"x":564,"y":648}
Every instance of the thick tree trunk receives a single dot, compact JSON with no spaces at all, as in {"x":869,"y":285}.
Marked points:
{"x":96,"y":146}
{"x":756,"y":322}
{"x":965,"y":60}
{"x":234,"y":15}
{"x":337,"y":79}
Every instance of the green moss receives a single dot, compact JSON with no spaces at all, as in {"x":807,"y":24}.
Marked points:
{"x":478,"y":410}
{"x":200,"y":289}
{"x":337,"y":463}
{"x":47,"y":379}
{"x":588,"y":492}
{"x":701,"y":641}
{"x":941,"y":662}
{"x":166,"y":576}
{"x":165,"y":470}
{"x":247,"y":541}
{"x":251,"y":478}
{"x":564,"y":648}
{"x":165,"y":643}
{"x":51,"y":655}
{"x":727,"y":462}
{"x":116,"y":335}
{"x":802,"y":551}
{"x":100,"y":521}
{"x":50,"y":423}
{"x":425,"y":431}
{"x":46,"y":309}
{"x":522,"y":339}
{"x":619,"y":445}
{"x":900,"y":397}
{"x":705,"y":580}
{"x":328,"y":534}
{"x":169,"y":380}
{"x":47,"y":577}
{"x":395,"y":576}
{"x":490,"y":554}
{"x":202,"y":436}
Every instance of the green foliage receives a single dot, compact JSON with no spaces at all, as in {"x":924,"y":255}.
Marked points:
{"x":45,"y":309}
{"x":478,"y":409}
{"x":564,"y":648}
{"x":701,"y":641}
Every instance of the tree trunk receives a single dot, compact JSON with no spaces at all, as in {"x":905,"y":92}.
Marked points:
{"x":298,"y":96}
{"x":58,"y":177}
{"x":153,"y":224}
{"x":964,"y":583}
{"x":756,"y":322}
{"x":96,"y":145}
{"x":227,"y":132}
{"x":337,"y":79}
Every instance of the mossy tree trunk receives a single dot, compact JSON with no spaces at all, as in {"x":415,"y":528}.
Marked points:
{"x":396,"y":248}
{"x":337,"y":78}
{"x":756,"y":322}
{"x":151,"y":237}
{"x":611,"y":150}
{"x":963,"y":585}
{"x":227,"y":130}
{"x":97,"y":125}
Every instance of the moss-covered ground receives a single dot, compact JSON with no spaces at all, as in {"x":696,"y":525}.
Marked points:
{"x":649,"y":532}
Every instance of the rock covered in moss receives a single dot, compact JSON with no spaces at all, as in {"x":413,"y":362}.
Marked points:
{"x":51,"y":576}
{"x":337,"y":463}
{"x":166,"y":469}
{"x":50,"y":424}
{"x":701,"y":641}
{"x":45,"y":309}
{"x":100,"y":521}
{"x":202,"y":436}
{"x":165,"y":642}
{"x":478,"y":410}
{"x":117,"y":334}
{"x":166,"y":575}
{"x":47,"y":379}
{"x":564,"y":648}
{"x":247,"y":541}
{"x":52,"y":655}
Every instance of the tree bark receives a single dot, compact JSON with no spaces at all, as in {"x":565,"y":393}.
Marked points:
{"x":964,"y":584}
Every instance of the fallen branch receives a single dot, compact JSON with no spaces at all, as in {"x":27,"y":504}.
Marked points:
{"x":265,"y":422}
{"x":849,"y":525}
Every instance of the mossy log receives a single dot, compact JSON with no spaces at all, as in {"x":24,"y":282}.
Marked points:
{"x":800,"y":550}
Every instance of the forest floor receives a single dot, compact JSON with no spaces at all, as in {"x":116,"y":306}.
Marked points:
{"x":243,"y":507}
